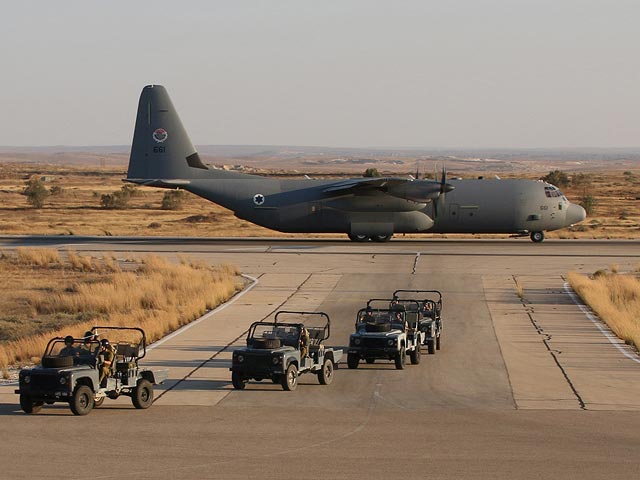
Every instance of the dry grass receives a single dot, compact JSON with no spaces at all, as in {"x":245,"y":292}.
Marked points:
{"x":157,"y":296}
{"x":519,"y":288}
{"x":40,"y":257}
{"x":615,"y":298}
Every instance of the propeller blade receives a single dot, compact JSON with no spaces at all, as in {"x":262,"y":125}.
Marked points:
{"x":443,"y":181}
{"x":439,"y":202}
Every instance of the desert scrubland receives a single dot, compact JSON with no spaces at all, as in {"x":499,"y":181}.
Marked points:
{"x":75,"y":201}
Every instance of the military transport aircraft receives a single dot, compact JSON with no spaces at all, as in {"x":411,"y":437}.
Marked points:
{"x":162,"y":155}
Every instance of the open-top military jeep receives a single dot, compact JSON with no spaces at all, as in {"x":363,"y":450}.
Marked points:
{"x":281,"y":351}
{"x":85,"y":371}
{"x":430,"y":322}
{"x":384,"y":333}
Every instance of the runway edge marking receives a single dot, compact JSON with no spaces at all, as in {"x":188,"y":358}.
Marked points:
{"x":615,"y":341}
{"x":208,"y":314}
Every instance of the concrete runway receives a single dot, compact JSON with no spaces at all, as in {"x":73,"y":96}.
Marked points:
{"x":521,"y":388}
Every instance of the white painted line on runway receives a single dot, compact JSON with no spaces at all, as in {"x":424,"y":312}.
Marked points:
{"x":615,"y":341}
{"x":207,"y":315}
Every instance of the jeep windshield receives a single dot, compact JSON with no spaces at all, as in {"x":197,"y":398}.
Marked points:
{"x":393,"y":319}
{"x":80,"y":350}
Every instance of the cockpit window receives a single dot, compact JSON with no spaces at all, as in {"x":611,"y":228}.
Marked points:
{"x":551,"y":191}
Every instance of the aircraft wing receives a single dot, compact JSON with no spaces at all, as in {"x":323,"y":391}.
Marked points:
{"x":375,"y":183}
{"x":421,"y":191}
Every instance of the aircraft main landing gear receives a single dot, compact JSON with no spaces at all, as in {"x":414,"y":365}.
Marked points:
{"x":381,"y":238}
{"x":373,"y":238}
{"x":358,"y":238}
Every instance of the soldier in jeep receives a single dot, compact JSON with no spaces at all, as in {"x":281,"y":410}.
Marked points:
{"x":68,"y":350}
{"x":427,"y":309}
{"x":107,"y":354}
{"x":304,"y":342}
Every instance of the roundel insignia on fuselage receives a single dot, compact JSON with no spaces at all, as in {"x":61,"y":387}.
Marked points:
{"x":160,"y":135}
{"x":258,"y":199}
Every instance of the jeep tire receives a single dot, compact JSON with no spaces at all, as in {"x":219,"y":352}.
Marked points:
{"x":431,"y":346}
{"x":415,"y":355}
{"x":238,"y":382}
{"x":325,"y":375}
{"x":82,"y":400}
{"x":97,"y":402}
{"x":401,"y":359}
{"x":290,"y":378}
{"x":57,"y":362}
{"x":142,"y":396}
{"x":438,"y":342}
{"x":28,"y":405}
{"x":353,"y":360}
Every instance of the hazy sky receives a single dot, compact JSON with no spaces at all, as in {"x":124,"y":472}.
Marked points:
{"x":348,"y":73}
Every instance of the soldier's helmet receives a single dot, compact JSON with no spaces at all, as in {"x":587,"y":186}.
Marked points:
{"x":88,"y":336}
{"x":68,"y":340}
{"x":104,"y":343}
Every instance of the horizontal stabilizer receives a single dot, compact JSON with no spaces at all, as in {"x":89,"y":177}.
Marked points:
{"x":158,"y":182}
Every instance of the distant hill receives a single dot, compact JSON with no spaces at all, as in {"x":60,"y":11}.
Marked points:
{"x":328,"y":159}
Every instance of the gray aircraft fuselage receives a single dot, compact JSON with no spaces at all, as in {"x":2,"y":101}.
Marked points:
{"x":162,"y":155}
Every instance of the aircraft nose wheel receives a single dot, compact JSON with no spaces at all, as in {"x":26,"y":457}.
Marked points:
{"x":537,"y":237}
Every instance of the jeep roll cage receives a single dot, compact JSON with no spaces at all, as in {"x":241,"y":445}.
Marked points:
{"x":319,"y":332}
{"x":126,"y":349}
{"x":437,"y":303}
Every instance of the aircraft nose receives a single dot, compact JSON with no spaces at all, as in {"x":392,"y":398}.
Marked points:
{"x":575,"y":214}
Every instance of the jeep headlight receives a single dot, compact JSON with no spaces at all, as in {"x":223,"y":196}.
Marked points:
{"x":27,"y":379}
{"x":390,"y":342}
{"x":62,"y":380}
{"x":276,"y":359}
{"x":357,"y":341}
{"x":240,"y":358}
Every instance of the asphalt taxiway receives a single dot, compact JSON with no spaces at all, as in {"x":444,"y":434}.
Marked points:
{"x":522,"y":388}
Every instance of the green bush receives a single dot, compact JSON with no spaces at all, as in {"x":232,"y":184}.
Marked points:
{"x":588,"y":202}
{"x":118,"y":199}
{"x":172,"y":200}
{"x":557,"y":178}
{"x":581,"y":180}
{"x":36,"y":192}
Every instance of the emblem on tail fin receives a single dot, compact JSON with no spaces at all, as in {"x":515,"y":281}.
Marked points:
{"x":160,"y":135}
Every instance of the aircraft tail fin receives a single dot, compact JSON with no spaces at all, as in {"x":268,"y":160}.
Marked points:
{"x":161,"y":149}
